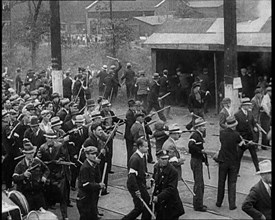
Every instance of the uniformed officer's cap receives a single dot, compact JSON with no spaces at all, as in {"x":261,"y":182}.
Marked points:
{"x":162,"y":154}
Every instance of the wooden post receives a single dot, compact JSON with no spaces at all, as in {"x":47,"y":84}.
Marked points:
{"x":153,"y":61}
{"x":57,"y":76}
{"x":230,"y":51}
{"x":216,"y":84}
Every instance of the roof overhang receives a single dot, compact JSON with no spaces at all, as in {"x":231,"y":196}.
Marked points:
{"x":247,"y":42}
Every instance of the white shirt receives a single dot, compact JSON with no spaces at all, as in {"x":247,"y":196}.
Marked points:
{"x":266,"y":104}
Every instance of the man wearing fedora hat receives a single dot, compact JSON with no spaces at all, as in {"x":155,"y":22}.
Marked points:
{"x":56,"y":189}
{"x":257,"y":204}
{"x":197,"y":152}
{"x":266,"y":114}
{"x":246,"y":126}
{"x":153,"y":97}
{"x":170,"y":146}
{"x":228,"y":160}
{"x":30,"y":182}
{"x":34,"y":133}
{"x":166,"y":194}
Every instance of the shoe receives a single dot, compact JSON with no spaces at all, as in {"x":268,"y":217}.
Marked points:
{"x":203,"y":209}
{"x":100,"y":214}
{"x":232,"y":208}
{"x":152,"y":162}
{"x":111,"y":172}
{"x":105,"y":193}
{"x":204,"y":206}
{"x":70,"y":205}
{"x":218,"y":205}
{"x":73,"y":188}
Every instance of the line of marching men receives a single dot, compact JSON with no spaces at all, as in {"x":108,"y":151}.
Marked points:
{"x":59,"y":148}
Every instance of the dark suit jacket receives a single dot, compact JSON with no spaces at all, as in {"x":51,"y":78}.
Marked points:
{"x":76,"y":88}
{"x":258,"y":202}
{"x":36,"y":140}
{"x":154,"y":92}
{"x":194,"y":103}
{"x":245,"y":124}
{"x":130,"y":120}
{"x":67,"y":87}
{"x":169,"y":205}
{"x":229,"y":145}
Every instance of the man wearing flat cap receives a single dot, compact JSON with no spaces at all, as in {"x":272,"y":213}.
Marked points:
{"x":30,"y":182}
{"x":225,"y":112}
{"x":246,"y":126}
{"x":166,"y":195}
{"x":257,"y":204}
{"x":89,"y":185}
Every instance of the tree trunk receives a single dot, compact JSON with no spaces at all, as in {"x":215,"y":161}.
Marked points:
{"x":33,"y":54}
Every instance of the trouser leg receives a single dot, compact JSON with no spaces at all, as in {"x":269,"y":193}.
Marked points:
{"x":196,"y":166}
{"x":221,"y":182}
{"x":110,"y":156}
{"x":232,"y":182}
{"x":129,"y":147}
{"x":252,"y":150}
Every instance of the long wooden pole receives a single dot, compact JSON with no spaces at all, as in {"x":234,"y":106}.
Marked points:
{"x":216,"y":84}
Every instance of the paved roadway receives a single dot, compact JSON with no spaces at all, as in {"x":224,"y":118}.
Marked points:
{"x":119,"y":202}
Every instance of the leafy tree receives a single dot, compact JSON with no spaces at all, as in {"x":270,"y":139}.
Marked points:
{"x":30,"y":30}
{"x":118,"y":36}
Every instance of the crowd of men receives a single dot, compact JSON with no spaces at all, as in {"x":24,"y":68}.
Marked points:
{"x":49,"y":142}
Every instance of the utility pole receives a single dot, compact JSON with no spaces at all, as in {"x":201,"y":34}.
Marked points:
{"x":57,"y":76}
{"x":113,"y":29}
{"x":230,"y":51}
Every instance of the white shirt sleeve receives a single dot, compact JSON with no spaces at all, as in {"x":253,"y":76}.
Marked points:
{"x":133,"y":171}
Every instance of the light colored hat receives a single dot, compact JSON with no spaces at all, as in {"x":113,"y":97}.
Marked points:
{"x":45,"y":112}
{"x":138,"y":103}
{"x":155,"y":76}
{"x":79,"y":119}
{"x":245,"y":101}
{"x":174,"y":128}
{"x":96,"y":114}
{"x":55,"y":121}
{"x":199,"y":122}
{"x":112,"y":67}
{"x":128,"y":64}
{"x":104,"y":67}
{"x":50,"y":134}
{"x":231,"y":121}
{"x":105,"y":103}
{"x":90,"y":149}
{"x":265,"y":167}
